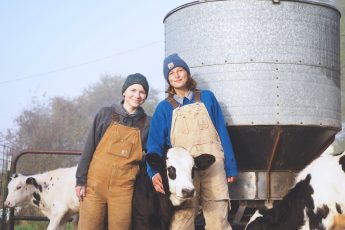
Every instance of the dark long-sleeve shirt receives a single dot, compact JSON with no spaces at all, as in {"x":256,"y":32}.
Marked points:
{"x":100,"y":124}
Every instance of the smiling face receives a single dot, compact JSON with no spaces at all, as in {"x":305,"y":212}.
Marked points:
{"x":178,"y":78}
{"x":134,"y":96}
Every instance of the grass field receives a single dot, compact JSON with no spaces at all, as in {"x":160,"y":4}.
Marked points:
{"x":37,"y":225}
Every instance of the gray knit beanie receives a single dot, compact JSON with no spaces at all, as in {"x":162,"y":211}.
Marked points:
{"x":136,"y":78}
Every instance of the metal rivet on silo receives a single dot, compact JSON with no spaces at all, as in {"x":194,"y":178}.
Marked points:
{"x":226,"y":61}
{"x":276,"y":68}
{"x":277,"y":78}
{"x":277,"y":86}
{"x":277,"y":95}
{"x":252,"y":122}
{"x":320,"y":123}
{"x":202,"y":63}
{"x":301,"y":123}
{"x":278,"y":113}
{"x":276,"y":60}
{"x":251,"y":59}
{"x":277,"y":104}
{"x":277,"y":122}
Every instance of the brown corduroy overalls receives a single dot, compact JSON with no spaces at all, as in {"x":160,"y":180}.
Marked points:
{"x":111,"y":177}
{"x":192,"y":128}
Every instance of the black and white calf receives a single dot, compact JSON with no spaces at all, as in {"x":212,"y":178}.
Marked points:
{"x":152,"y":210}
{"x":52,"y":192}
{"x":317,"y":201}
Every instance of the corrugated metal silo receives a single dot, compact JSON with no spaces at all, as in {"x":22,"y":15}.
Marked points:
{"x":275,"y":69}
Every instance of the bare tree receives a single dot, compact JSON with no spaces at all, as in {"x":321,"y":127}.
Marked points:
{"x":62,"y":124}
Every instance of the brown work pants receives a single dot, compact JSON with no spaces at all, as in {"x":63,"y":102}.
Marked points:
{"x":109,"y":187}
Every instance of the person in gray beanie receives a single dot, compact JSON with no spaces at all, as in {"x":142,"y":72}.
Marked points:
{"x":110,"y":160}
{"x":136,"y":78}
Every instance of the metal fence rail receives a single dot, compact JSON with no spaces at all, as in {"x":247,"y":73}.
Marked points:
{"x":5,"y":164}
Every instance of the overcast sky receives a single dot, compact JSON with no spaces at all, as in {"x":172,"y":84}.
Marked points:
{"x":59,"y":48}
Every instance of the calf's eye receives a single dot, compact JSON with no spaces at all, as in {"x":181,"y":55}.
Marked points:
{"x":19,"y":187}
{"x":171,"y":172}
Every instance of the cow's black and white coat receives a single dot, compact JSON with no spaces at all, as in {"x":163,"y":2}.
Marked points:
{"x":152,"y":210}
{"x":315,"y":201}
{"x":52,"y":192}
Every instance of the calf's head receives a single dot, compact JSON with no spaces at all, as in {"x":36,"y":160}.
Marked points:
{"x":22,"y":189}
{"x":177,"y":172}
{"x":288,"y":213}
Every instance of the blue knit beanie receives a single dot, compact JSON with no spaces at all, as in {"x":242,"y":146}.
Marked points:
{"x":172,"y":61}
{"x":136,"y":78}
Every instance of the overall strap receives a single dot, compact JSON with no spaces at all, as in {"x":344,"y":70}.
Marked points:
{"x":115,"y":117}
{"x":142,"y":122}
{"x":197,"y":94}
{"x":172,"y":101}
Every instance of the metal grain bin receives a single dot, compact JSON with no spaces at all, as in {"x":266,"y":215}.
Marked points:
{"x":275,"y":69}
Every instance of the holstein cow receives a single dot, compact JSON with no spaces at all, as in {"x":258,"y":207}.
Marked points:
{"x":52,"y":192}
{"x":317,"y":201}
{"x":152,"y":210}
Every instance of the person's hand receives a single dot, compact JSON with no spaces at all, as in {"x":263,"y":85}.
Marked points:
{"x":80,"y":191}
{"x":157,"y":183}
{"x":231,"y":179}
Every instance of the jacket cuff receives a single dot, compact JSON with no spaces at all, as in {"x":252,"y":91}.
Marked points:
{"x":81,"y":181}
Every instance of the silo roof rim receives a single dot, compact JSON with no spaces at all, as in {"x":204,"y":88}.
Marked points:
{"x":327,"y":3}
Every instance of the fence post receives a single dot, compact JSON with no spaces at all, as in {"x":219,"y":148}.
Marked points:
{"x":5,"y":166}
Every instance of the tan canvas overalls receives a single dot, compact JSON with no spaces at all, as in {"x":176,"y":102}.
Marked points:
{"x":193,"y":129}
{"x":111,"y":177}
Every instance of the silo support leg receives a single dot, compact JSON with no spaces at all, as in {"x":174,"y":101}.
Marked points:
{"x":239,"y":213}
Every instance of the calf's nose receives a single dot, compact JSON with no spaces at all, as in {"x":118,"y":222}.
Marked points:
{"x":7,"y":204}
{"x":188,"y":192}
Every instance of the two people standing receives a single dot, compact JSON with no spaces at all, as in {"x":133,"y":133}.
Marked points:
{"x":188,"y":118}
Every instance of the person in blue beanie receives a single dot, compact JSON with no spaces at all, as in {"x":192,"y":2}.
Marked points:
{"x":193,"y":119}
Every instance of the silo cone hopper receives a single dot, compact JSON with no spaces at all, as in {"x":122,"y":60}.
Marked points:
{"x":274,"y":66}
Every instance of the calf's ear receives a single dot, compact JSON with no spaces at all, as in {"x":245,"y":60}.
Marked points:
{"x":154,"y":160}
{"x":13,"y":176}
{"x":32,"y":181}
{"x":204,"y":161}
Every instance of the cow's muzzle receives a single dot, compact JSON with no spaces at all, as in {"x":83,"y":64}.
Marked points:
{"x":188,"y":193}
